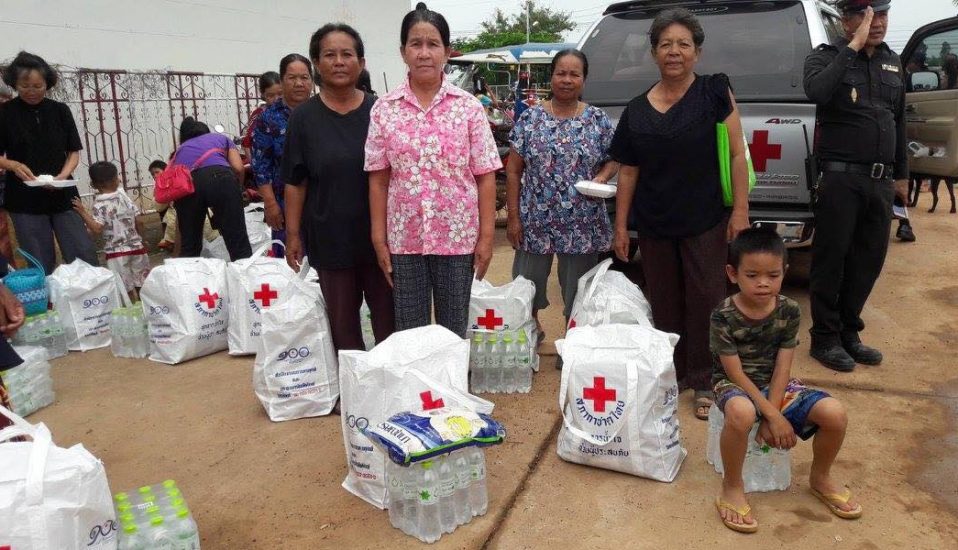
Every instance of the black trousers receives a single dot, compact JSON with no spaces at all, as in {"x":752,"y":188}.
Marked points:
{"x":217,"y":189}
{"x":852,"y":218}
{"x":685,"y":280}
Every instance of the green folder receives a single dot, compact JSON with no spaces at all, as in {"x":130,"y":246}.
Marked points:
{"x":725,"y":163}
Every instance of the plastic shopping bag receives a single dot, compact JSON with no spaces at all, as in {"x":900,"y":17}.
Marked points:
{"x":619,"y":400}
{"x":605,"y":297}
{"x":296,"y":374}
{"x":84,"y":295}
{"x":418,"y":369}
{"x":187,"y":306}
{"x":51,"y":497}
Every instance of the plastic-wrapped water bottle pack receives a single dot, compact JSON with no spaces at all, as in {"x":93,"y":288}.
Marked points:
{"x":129,"y":332}
{"x":501,"y":362}
{"x":43,"y":330}
{"x":155,"y":516}
{"x":765,"y":469}
{"x":29,"y":384}
{"x":436,"y":474}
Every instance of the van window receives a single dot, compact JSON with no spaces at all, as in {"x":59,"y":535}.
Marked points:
{"x":761,"y":46}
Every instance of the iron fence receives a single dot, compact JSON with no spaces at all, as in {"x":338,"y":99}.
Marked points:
{"x":132,"y":118}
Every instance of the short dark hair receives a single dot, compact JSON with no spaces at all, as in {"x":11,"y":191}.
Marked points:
{"x":268,"y":79}
{"x":755,"y":240}
{"x":25,"y":62}
{"x":156,"y":164}
{"x":574,"y":53}
{"x":102,"y":173}
{"x":191,"y":128}
{"x":289,"y":59}
{"x":676,"y":16}
{"x":422,"y":14}
{"x":316,"y":42}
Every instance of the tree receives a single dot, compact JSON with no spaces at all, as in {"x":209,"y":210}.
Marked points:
{"x":545,"y":24}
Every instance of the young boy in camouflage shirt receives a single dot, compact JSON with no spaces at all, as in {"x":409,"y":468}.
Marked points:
{"x":753,"y":336}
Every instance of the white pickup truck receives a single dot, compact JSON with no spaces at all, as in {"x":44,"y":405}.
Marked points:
{"x":762,"y":47}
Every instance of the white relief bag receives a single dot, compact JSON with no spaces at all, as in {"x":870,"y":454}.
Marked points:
{"x":605,"y":297}
{"x":412,"y":370}
{"x":619,"y":400}
{"x":85,"y":297}
{"x":296,"y":374}
{"x":51,"y":498}
{"x":186,"y":304}
{"x":255,"y":284}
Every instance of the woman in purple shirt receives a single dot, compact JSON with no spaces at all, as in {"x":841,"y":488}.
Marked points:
{"x":217,"y":178}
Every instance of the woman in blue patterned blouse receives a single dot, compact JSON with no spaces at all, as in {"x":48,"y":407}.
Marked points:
{"x":554,"y":145}
{"x":269,"y":137}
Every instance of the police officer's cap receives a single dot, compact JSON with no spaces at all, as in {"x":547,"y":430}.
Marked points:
{"x":858,"y":6}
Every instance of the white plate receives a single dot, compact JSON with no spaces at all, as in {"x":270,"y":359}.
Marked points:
{"x":595,"y":189}
{"x":54,"y":183}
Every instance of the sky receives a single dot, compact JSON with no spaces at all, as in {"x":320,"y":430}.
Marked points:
{"x":465,"y":16}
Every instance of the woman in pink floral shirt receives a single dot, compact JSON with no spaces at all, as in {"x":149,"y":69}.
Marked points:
{"x":432,"y":162}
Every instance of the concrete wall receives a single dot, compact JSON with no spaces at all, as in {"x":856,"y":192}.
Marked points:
{"x":211,"y":36}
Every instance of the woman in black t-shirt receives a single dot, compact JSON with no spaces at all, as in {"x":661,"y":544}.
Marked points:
{"x":669,"y":182}
{"x":327,"y":190}
{"x":39,"y":137}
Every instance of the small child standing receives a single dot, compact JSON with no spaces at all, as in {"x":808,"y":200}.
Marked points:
{"x":753,"y":336}
{"x":114,"y":216}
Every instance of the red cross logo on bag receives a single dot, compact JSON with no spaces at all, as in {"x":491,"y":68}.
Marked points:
{"x":598,"y":394}
{"x":209,"y":299}
{"x":265,"y":295}
{"x":428,"y":403}
{"x":490,"y":321}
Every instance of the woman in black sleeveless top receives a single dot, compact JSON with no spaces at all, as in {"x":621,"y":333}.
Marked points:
{"x":669,"y":184}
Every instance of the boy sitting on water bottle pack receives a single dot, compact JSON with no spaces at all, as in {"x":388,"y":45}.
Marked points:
{"x":114,"y":215}
{"x":753,"y":336}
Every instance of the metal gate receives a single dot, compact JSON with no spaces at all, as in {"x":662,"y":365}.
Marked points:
{"x":132,"y":118}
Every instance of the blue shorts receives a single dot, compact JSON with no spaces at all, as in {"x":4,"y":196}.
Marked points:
{"x":796,"y":405}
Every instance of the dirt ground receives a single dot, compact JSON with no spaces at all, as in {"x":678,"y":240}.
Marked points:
{"x":252,"y":483}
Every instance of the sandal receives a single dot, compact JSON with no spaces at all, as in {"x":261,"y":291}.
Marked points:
{"x":748,"y":528}
{"x":834,"y":500}
{"x":703,"y":400}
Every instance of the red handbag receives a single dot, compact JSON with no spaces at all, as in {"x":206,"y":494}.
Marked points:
{"x":176,"y":181}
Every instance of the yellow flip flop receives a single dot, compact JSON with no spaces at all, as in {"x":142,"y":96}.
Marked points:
{"x":835,"y":499}
{"x":743,"y":511}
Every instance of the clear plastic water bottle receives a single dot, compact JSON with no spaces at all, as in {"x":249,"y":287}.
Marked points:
{"x":478,"y":498}
{"x":160,"y":535}
{"x":133,"y":538}
{"x":366,"y":322}
{"x":430,"y":528}
{"x":411,"y":480}
{"x":447,"y":495}
{"x":463,"y":478}
{"x":185,"y":531}
{"x":509,"y":364}
{"x":59,"y":336}
{"x":143,"y":335}
{"x":397,"y":502}
{"x":523,"y":364}
{"x":477,"y":363}
{"x":117,"y":346}
{"x":493,"y":364}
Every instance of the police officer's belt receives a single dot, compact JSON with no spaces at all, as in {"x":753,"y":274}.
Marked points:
{"x":876,"y":171}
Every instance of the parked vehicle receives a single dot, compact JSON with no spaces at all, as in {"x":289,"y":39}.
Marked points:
{"x":762,"y":47}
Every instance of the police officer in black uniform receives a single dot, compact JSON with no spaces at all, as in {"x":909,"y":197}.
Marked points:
{"x":858,"y":86}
